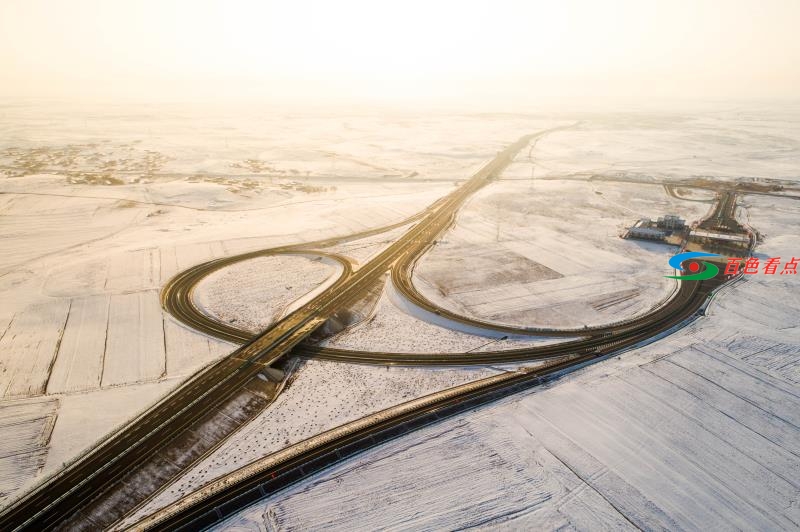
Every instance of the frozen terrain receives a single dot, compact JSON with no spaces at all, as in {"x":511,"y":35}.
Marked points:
{"x":95,"y":219}
{"x":22,"y":456}
{"x":80,"y":311}
{"x":99,"y":208}
{"x":253,"y":294}
{"x":244,"y":147}
{"x":548,"y":253}
{"x":321,"y":396}
{"x":396,"y":326}
{"x":727,"y":145}
{"x":695,"y":431}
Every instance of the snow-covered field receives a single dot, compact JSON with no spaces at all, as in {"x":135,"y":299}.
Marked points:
{"x":394,"y":326}
{"x":747,"y":142}
{"x":24,"y":454}
{"x":100,"y":207}
{"x":322,"y":395}
{"x":254,"y":293}
{"x":549,"y":253}
{"x":654,"y":446}
{"x":259,"y":144}
{"x":683,"y":434}
{"x":699,"y":430}
{"x":82,"y":315}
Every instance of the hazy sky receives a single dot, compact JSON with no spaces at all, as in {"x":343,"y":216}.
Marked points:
{"x":493,"y":52}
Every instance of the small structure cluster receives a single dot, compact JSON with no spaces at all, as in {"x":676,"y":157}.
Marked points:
{"x":671,"y":222}
{"x":660,"y":230}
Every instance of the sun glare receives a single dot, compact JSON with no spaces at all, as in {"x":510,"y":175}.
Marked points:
{"x":378,"y":50}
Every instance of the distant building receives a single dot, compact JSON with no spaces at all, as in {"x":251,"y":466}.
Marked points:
{"x":646,"y":233}
{"x":670,"y":222}
{"x":715,"y":235}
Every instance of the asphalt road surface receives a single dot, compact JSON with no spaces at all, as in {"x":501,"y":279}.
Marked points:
{"x":62,"y":497}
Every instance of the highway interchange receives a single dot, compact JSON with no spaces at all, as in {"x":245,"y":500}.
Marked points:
{"x":59,"y":499}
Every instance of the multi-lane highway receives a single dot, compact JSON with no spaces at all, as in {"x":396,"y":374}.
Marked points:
{"x":229,"y":494}
{"x":61,"y":497}
{"x":235,"y":491}
{"x":687,"y":299}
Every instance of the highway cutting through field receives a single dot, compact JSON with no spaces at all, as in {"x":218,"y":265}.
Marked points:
{"x":227,"y":495}
{"x":60,"y":498}
{"x":233,"y":492}
{"x":97,"y":473}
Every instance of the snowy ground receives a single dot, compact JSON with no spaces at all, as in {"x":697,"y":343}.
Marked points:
{"x":652,"y":446}
{"x":323,"y":395}
{"x":695,"y":431}
{"x":100,"y":207}
{"x":728,"y":145}
{"x":79,"y":307}
{"x":261,"y":144}
{"x":394,"y":326}
{"x":681,"y":435}
{"x":22,"y":456}
{"x":254,"y":293}
{"x":549,"y":253}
